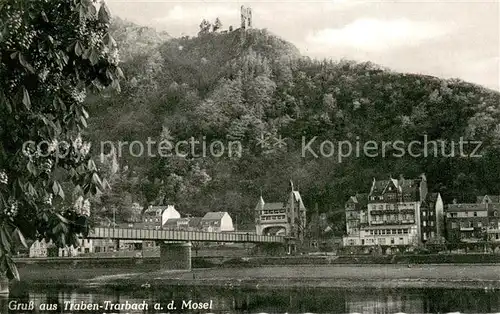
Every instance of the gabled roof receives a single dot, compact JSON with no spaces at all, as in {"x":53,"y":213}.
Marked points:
{"x":493,"y":198}
{"x":213,"y":216}
{"x":378,"y":187}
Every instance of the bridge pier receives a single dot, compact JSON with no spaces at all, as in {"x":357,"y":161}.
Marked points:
{"x":175,"y":255}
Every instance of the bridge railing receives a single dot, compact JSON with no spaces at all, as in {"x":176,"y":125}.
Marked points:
{"x":180,"y":235}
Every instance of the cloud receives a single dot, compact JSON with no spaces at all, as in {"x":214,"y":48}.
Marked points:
{"x":374,"y":35}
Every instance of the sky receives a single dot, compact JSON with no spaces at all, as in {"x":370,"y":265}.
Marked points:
{"x":448,"y":39}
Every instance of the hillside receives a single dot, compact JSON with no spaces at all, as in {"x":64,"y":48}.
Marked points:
{"x":237,"y":86}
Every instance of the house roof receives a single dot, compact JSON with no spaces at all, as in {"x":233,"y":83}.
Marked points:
{"x":407,"y":187}
{"x":273,"y":206}
{"x":194,"y":222}
{"x":493,"y":198}
{"x":172,"y":222}
{"x":378,"y":187}
{"x":298,"y":198}
{"x":359,"y":198}
{"x":466,"y":207}
{"x":212,"y":216}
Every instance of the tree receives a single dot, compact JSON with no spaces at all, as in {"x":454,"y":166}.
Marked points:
{"x":204,"y":27}
{"x":44,"y":83}
{"x":217,"y":25}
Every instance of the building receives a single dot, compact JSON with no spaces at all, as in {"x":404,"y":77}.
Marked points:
{"x":40,"y":248}
{"x":177,"y":224}
{"x":49,"y":249}
{"x":466,"y":222}
{"x":217,"y":222}
{"x":156,"y":216}
{"x":432,"y":219}
{"x":283,"y":218}
{"x":356,"y":213}
{"x":394,"y":214}
{"x":474,"y":222}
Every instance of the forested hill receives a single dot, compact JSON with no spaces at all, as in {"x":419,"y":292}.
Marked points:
{"x":241,"y":85}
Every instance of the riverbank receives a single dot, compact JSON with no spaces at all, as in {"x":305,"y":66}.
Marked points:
{"x":315,"y":276}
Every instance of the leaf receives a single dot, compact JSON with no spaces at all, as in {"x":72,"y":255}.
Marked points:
{"x":104,"y":15}
{"x":119,"y":72}
{"x":109,"y":41}
{"x":96,"y":180}
{"x":26,"y":98}
{"x":44,"y":17}
{"x":21,"y":237}
{"x":6,"y":243}
{"x":83,"y":121}
{"x":94,"y":57}
{"x":12,"y":272}
{"x":85,"y":113}
{"x":25,"y":64}
{"x":61,"y":191}
{"x":66,"y":221}
{"x":55,"y":188}
{"x":5,"y":102}
{"x":78,"y":49}
{"x":91,"y":165}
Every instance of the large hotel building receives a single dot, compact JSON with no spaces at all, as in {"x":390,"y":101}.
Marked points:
{"x":396,"y":212}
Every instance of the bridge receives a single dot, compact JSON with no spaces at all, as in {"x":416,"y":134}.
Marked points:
{"x":175,"y":245}
{"x":180,"y":235}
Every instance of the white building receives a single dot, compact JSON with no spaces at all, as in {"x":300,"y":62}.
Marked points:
{"x":49,"y":249}
{"x":393,"y":214}
{"x":217,"y":222}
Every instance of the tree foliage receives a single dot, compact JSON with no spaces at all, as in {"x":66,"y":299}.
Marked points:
{"x":52,"y":53}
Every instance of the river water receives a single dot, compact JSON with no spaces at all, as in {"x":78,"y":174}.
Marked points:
{"x":226,"y":300}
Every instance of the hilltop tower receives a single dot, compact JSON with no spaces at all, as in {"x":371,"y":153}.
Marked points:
{"x":246,"y":17}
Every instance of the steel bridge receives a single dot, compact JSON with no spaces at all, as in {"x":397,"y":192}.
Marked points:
{"x":180,"y":235}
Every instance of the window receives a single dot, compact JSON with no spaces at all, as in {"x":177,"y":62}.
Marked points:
{"x":424,"y":213}
{"x":424,"y":223}
{"x":400,"y":231}
{"x":471,"y":224}
{"x":405,"y":231}
{"x":432,"y":223}
{"x":475,"y":214}
{"x":392,"y":241}
{"x":381,"y":241}
{"x":479,"y":224}
{"x":431,"y":213}
{"x":401,"y":240}
{"x":495,"y":213}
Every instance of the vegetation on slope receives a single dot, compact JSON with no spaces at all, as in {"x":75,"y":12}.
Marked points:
{"x":241,"y":85}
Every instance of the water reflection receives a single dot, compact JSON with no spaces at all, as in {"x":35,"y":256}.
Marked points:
{"x":254,"y":301}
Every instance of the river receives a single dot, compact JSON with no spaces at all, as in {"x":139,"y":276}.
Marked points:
{"x":227,"y":300}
